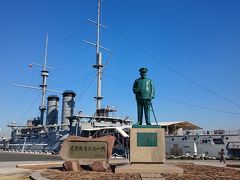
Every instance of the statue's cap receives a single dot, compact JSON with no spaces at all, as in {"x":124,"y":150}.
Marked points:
{"x":143,"y":69}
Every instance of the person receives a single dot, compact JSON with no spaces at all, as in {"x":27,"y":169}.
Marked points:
{"x":144,"y":91}
{"x":222,"y":157}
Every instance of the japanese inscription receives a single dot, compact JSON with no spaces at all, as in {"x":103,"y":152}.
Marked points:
{"x":146,"y":139}
{"x":87,"y":149}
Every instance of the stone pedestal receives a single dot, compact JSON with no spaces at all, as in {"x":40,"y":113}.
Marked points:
{"x":147,"y":144}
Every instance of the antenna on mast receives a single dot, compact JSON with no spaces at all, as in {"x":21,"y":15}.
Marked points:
{"x":98,"y":64}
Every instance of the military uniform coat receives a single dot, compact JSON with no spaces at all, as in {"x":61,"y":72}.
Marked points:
{"x":143,"y":88}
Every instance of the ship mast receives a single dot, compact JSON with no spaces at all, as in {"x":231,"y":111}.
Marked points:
{"x":44,"y":74}
{"x":43,"y":86}
{"x":98,"y":65}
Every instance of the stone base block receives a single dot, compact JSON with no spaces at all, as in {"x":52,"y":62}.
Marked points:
{"x":72,"y":166}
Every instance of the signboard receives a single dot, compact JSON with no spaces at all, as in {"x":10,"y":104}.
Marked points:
{"x":87,"y":150}
{"x":146,"y":139}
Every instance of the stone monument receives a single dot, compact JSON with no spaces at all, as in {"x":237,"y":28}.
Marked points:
{"x":87,"y":150}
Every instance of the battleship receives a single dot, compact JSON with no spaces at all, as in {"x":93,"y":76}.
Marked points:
{"x":44,"y":135}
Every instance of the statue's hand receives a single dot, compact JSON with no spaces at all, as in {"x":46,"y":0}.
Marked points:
{"x":149,"y":101}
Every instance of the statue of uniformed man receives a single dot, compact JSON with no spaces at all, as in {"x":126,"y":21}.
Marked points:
{"x":144,"y":90}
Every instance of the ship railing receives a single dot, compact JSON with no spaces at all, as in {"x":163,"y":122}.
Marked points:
{"x":205,"y":132}
{"x":219,"y":132}
{"x":28,"y":144}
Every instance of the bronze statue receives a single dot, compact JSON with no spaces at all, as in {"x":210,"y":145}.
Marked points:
{"x":144,"y":90}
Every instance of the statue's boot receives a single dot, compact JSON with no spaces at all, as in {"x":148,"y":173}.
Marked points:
{"x":148,"y":122}
{"x":139,"y":123}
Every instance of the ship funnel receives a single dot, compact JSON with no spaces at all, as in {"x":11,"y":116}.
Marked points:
{"x":52,"y":110}
{"x":68,"y":105}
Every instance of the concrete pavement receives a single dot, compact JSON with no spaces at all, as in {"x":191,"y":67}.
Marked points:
{"x":9,"y":168}
{"x":14,"y":156}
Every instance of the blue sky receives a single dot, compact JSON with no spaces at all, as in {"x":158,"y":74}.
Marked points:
{"x":190,"y":47}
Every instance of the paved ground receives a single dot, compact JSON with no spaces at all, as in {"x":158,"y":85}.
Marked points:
{"x":12,"y":156}
{"x":8,"y":169}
